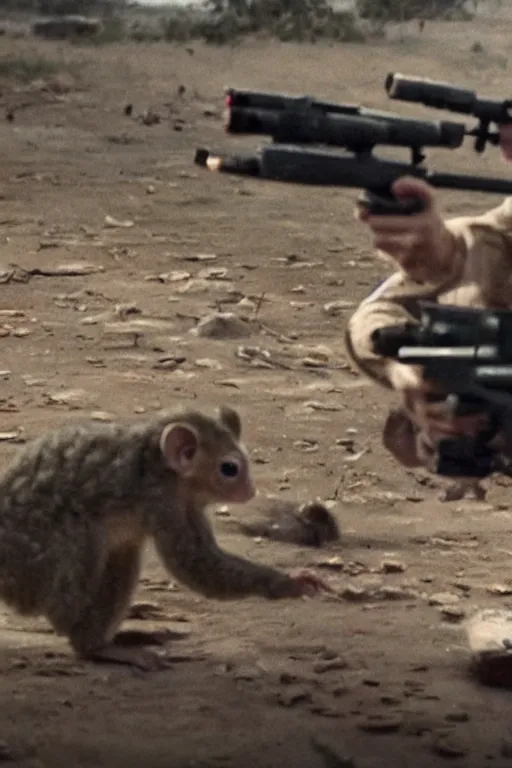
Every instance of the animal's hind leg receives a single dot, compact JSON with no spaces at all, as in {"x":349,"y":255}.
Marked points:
{"x":92,"y":634}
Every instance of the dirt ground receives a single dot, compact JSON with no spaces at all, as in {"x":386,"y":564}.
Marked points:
{"x":380,"y":677}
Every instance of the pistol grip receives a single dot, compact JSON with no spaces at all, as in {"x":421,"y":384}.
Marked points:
{"x":387,"y":205}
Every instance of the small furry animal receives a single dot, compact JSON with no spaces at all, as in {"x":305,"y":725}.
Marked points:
{"x":309,"y":525}
{"x":77,"y":505}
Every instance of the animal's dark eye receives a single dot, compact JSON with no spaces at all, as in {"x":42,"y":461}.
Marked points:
{"x":229,"y":469}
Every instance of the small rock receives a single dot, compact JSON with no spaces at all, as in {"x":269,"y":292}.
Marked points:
{"x":500,"y":589}
{"x":293,"y":695}
{"x":212,"y":273}
{"x":247,"y":304}
{"x":379,"y":723}
{"x":111,"y":222}
{"x":222,"y":325}
{"x":102,"y":416}
{"x":206,"y":362}
{"x":452,"y":613}
{"x":175,"y":276}
{"x":146,"y":611}
{"x":324,"y":710}
{"x":390,"y":701}
{"x":355,"y":594}
{"x":394,"y":593}
{"x":334,"y":308}
{"x":199,"y":257}
{"x":443,"y":598}
{"x":315,"y":361}
{"x":331,"y":755}
{"x":317,"y":406}
{"x":332,"y":563}
{"x":446,"y":746}
{"x":74,"y":398}
{"x":329,"y":666}
{"x":392,"y":566}
{"x":457,"y":717}
{"x":247,"y":673}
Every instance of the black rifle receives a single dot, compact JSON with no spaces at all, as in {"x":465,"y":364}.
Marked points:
{"x":432,"y":93}
{"x":288,"y":163}
{"x":293,"y":123}
{"x":468,"y":353}
{"x":303,"y":120}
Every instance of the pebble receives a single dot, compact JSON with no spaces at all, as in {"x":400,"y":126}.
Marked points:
{"x":392,"y":566}
{"x":378,"y":723}
{"x":329,"y":666}
{"x":293,"y":695}
{"x":457,"y":717}
{"x":446,"y":746}
{"x":443,"y":598}
{"x":452,"y":613}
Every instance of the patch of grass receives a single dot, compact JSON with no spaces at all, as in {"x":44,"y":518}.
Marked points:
{"x":28,"y":67}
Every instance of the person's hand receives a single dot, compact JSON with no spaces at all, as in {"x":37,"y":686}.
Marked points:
{"x":506,"y":142}
{"x":420,"y":243}
{"x":430,"y":409}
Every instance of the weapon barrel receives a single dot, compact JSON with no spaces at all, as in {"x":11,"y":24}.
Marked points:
{"x":321,"y":167}
{"x":432,"y":93}
{"x":469,"y":183}
{"x":249,"y":99}
{"x":495,"y":376}
{"x":355,"y":132}
{"x":289,"y":163}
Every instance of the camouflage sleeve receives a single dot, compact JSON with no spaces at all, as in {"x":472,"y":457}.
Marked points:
{"x":482,"y":276}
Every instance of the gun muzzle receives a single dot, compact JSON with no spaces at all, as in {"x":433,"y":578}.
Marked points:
{"x":430,"y":93}
{"x":389,"y":340}
{"x":241,"y":165}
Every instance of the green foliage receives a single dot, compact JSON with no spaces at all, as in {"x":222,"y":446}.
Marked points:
{"x":227,"y":21}
{"x":63,"y":7}
{"x":405,"y":10}
{"x":28,"y":67}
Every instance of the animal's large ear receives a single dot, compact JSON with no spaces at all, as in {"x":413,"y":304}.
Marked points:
{"x":230,"y":418}
{"x":179,"y":444}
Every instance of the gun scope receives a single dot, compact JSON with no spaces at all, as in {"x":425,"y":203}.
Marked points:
{"x":439,"y":95}
{"x":356,"y":132}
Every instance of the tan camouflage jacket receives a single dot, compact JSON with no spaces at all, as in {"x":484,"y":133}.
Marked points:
{"x":482,"y":278}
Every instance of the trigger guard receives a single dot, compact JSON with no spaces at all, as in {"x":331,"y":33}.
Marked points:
{"x":387,"y":205}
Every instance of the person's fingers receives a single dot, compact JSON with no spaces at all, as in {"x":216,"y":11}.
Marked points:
{"x":506,"y":141}
{"x":400,"y":245}
{"x":408,"y":186}
{"x":420,"y":224}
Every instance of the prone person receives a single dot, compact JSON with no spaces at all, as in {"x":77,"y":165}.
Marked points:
{"x":464,"y":261}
